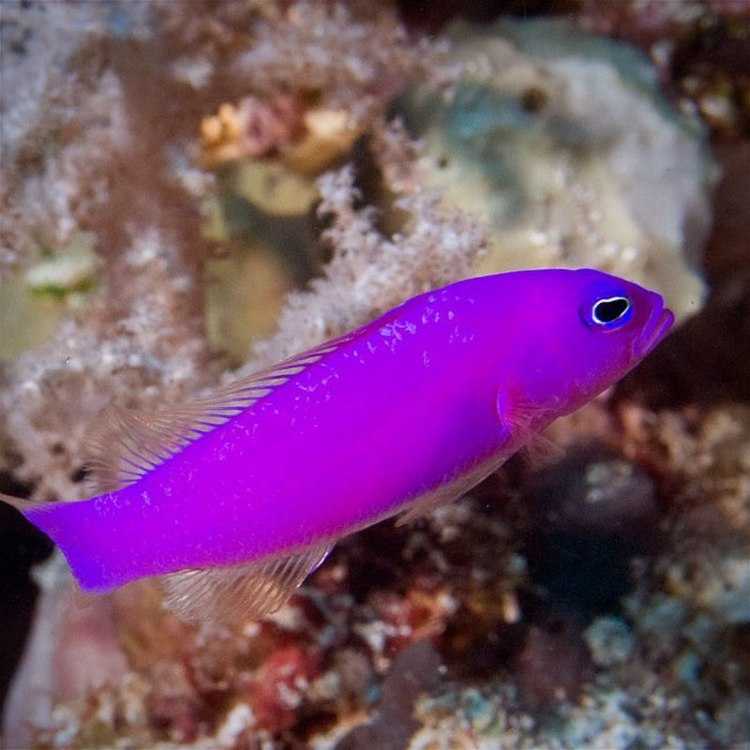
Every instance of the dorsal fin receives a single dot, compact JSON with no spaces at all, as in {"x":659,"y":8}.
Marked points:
{"x":125,"y":444}
{"x":249,"y":591}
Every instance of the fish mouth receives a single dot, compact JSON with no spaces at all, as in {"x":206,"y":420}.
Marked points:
{"x":656,"y":328}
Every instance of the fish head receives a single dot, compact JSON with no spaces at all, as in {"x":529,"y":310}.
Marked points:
{"x":585,"y":331}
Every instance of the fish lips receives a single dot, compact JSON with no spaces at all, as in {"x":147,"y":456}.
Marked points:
{"x":657,"y":326}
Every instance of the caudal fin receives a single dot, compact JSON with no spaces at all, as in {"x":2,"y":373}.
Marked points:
{"x":68,"y":525}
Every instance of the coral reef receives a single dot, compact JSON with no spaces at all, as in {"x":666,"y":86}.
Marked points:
{"x":189,"y":193}
{"x":562,"y":143}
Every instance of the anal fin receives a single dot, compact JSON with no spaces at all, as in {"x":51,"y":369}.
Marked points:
{"x":240,"y":592}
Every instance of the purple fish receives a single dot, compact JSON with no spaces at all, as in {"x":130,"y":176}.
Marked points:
{"x":236,"y":498}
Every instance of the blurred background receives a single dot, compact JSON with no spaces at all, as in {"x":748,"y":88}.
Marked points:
{"x":193,"y":189}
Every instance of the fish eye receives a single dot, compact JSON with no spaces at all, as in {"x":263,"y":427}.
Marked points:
{"x":611,"y":310}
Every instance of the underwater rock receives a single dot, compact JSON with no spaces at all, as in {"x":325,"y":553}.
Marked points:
{"x":30,"y":319}
{"x":604,"y":718}
{"x":173,"y":704}
{"x":719,"y":371}
{"x":279,"y":686}
{"x":553,"y":665}
{"x":72,"y":651}
{"x":562,"y":144}
{"x":699,"y":48}
{"x":595,"y":512}
{"x":709,"y":563}
{"x":610,"y":641}
{"x":688,"y":611}
{"x":597,"y":493}
{"x":415,"y":671}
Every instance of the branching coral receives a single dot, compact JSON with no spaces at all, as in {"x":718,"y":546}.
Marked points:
{"x":352,"y":56}
{"x":369,"y":272}
{"x":127,"y":349}
{"x":48,"y":200}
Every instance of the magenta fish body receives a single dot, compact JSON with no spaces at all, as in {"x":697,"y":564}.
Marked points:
{"x":409,"y":411}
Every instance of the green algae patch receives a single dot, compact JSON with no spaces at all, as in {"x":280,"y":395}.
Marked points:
{"x":34,"y":301}
{"x":69,"y":271}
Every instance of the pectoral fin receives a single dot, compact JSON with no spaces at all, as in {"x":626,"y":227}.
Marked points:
{"x":450,"y":491}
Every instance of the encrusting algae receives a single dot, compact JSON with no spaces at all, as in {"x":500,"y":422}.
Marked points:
{"x":273,"y":153}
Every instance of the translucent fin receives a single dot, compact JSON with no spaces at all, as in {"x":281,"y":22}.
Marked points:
{"x":515,"y":431}
{"x":523,"y":420}
{"x":127,"y":444}
{"x":240,"y":592}
{"x":424,"y":505}
{"x":541,"y":451}
{"x":452,"y":490}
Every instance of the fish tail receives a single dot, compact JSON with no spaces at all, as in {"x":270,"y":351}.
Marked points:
{"x":68,"y":525}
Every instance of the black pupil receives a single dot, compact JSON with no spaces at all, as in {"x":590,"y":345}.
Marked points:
{"x":610,"y":310}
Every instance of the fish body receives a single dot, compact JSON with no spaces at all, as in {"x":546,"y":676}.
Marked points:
{"x":408,"y":411}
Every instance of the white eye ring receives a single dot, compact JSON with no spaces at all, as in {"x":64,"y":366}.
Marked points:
{"x":609,"y":310}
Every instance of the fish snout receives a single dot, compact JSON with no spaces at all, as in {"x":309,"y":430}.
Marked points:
{"x":656,"y":328}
